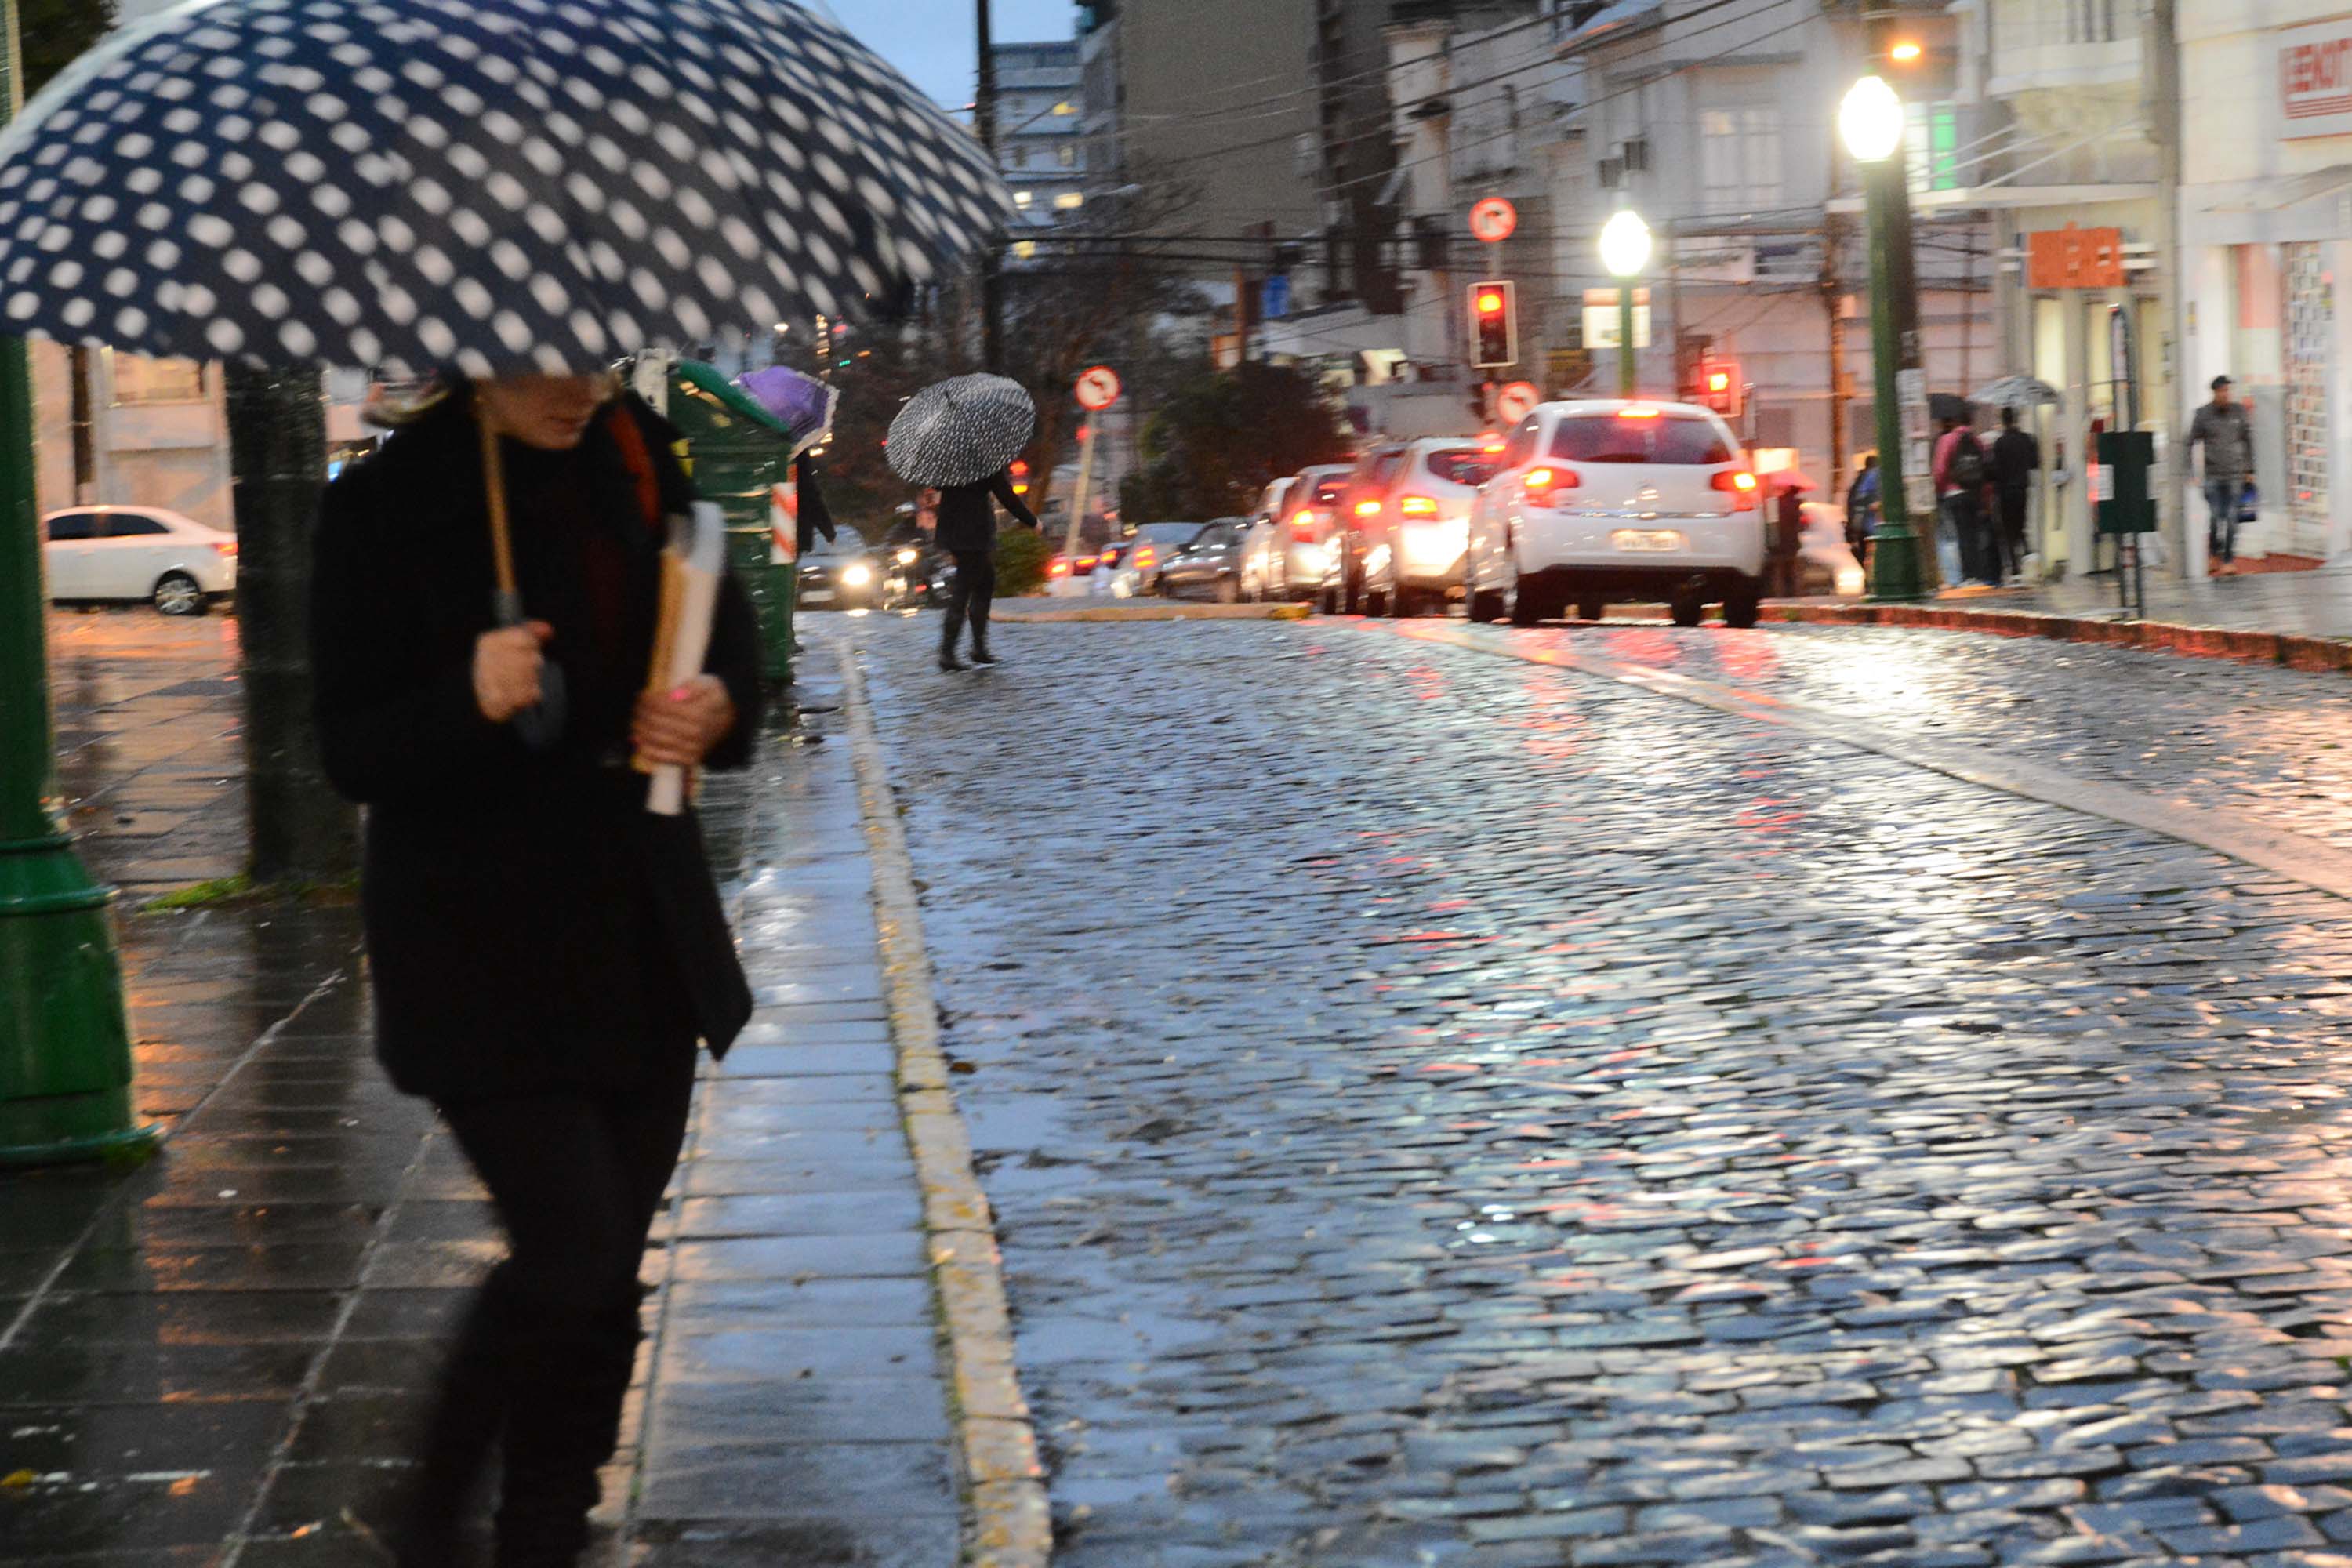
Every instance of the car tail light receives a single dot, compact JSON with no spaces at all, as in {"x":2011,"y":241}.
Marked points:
{"x":1637,"y":411}
{"x":1542,"y":484}
{"x":1082,"y":564}
{"x":225,"y":548}
{"x":1417,"y":506}
{"x":1740,"y":485}
{"x":1060,"y":566}
{"x":1302,"y":528}
{"x":1145,"y":558}
{"x":1368,"y":509}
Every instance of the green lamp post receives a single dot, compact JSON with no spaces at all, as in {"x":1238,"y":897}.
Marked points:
{"x":1870,"y":121}
{"x":65,"y":1048}
{"x":1625,"y":250}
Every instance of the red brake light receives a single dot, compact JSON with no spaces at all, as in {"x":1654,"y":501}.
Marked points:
{"x":1740,"y":484}
{"x":225,"y":547}
{"x":1491,"y":448}
{"x":1543,"y":484}
{"x":1368,"y":509}
{"x":1145,"y":558}
{"x":1060,"y":566}
{"x":1084,"y":564}
{"x":1417,"y":506}
{"x":1302,"y":518}
{"x":1637,"y":411}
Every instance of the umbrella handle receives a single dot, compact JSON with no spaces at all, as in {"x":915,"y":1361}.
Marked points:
{"x":540,"y":725}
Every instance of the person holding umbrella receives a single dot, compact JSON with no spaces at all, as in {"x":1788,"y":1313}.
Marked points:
{"x":559,"y":1050}
{"x":960,"y":437}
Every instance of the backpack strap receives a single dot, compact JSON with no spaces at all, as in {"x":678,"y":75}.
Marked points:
{"x":638,"y":459}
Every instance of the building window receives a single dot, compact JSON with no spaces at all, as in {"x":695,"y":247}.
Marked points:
{"x":1069,"y":201}
{"x":1021,"y":198}
{"x":2090,"y":21}
{"x":1931,"y":144}
{"x":1016,"y":157}
{"x":1740,"y":159}
{"x":1069,"y":155}
{"x":140,"y":380}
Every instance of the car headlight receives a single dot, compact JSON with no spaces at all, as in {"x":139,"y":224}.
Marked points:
{"x":906,"y":558}
{"x":857,"y":574}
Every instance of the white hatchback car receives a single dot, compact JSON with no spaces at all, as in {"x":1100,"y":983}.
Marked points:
{"x":174,"y":563}
{"x":1605,"y":500}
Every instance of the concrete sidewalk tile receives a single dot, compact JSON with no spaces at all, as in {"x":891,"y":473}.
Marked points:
{"x":785,"y":1481}
{"x":855,"y":1255}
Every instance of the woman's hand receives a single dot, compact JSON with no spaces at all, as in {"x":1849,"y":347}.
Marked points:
{"x":507,"y":663}
{"x":678,"y":727}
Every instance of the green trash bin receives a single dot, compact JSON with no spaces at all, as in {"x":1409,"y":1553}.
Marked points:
{"x":737,"y":453}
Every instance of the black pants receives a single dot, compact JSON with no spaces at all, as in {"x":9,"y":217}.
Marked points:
{"x":974,"y":589}
{"x":2012,"y":529}
{"x":543,"y":1363}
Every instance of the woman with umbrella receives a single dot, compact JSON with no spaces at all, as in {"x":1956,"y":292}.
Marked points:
{"x":960,"y":437}
{"x":545,"y":950}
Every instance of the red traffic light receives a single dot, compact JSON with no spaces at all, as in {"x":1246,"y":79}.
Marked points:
{"x":1490,"y":300}
{"x":1019,"y":467}
{"x":1718,"y":381}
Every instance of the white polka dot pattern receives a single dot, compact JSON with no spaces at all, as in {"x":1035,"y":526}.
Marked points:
{"x":501,"y":184}
{"x":960,"y":430}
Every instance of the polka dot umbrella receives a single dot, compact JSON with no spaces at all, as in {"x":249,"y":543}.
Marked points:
{"x":397,"y":186}
{"x":961,"y":430}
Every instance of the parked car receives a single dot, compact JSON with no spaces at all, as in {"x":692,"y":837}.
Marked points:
{"x":842,"y":573}
{"x":1405,"y":525}
{"x":1605,"y":499}
{"x":119,"y":553}
{"x":1133,"y":564}
{"x":1209,"y":566}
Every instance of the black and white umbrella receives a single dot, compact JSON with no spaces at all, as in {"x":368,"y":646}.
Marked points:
{"x":2017,"y":392}
{"x":961,"y":430}
{"x":497,"y":184}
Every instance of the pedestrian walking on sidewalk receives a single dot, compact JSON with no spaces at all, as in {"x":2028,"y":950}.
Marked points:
{"x":1861,"y":512}
{"x":2016,"y":458}
{"x":967,"y":531}
{"x":545,"y":951}
{"x":2229,"y":440}
{"x":1959,"y":470}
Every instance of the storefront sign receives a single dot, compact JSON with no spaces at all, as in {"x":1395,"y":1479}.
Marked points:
{"x":2074,"y":258}
{"x":1600,"y":318}
{"x":2314,"y":65}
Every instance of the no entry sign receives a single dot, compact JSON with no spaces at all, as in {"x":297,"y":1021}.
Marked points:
{"x":1494,"y":220}
{"x":1515,"y":400}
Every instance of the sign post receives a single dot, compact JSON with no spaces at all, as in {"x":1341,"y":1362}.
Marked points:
{"x":1096,"y":390}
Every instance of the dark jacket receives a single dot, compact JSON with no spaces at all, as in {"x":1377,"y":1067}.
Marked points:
{"x":815,"y":517}
{"x":966,"y":519}
{"x":2229,"y":440}
{"x":528,"y":924}
{"x":2015,"y":456}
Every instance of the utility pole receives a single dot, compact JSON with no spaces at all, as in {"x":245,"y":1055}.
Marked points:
{"x":65,"y":1044}
{"x":991,"y":266}
{"x":1833,"y":294}
{"x":2160,"y":54}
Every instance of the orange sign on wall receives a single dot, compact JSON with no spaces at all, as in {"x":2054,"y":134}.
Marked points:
{"x":2074,"y":258}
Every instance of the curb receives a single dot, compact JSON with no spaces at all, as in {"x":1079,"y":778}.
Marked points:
{"x":2293,"y":650}
{"x":1156,"y":612}
{"x":1010,"y":1524}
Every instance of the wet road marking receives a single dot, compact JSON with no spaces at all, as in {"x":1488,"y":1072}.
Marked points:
{"x":2295,"y":856}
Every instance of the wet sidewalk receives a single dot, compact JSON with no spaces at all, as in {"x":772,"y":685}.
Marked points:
{"x":2299,"y":603}
{"x":204,"y":1361}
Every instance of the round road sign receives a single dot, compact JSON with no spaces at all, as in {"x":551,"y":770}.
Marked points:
{"x":1515,"y":400}
{"x":1494,"y":220}
{"x":1098,"y":388}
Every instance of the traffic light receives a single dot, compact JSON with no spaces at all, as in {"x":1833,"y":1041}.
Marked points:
{"x":1905,"y":52}
{"x":1719,"y":386}
{"x":1495,"y":318}
{"x":1019,"y":476}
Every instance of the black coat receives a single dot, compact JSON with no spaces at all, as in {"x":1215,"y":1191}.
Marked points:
{"x":966,"y":519}
{"x":815,"y":517}
{"x":528,"y":924}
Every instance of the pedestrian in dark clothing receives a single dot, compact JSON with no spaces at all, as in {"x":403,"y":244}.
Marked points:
{"x":1959,"y":469}
{"x":545,"y":951}
{"x":967,"y":531}
{"x":1862,"y":511}
{"x":2221,"y":425}
{"x":813,"y":516}
{"x":2016,"y":458}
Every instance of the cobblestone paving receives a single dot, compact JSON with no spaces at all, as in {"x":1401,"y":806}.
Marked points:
{"x":1444,"y":1110}
{"x":2276,"y":744}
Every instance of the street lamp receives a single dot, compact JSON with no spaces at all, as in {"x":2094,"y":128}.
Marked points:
{"x":1625,"y":250}
{"x":1871,"y":124}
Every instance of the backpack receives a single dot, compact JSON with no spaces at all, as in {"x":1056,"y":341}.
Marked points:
{"x":1968,"y":463}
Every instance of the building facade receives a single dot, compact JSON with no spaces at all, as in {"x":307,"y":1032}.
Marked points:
{"x":2266,"y":231}
{"x":1040,"y":145}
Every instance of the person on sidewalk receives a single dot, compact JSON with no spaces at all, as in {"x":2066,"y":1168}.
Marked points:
{"x":1861,"y":512}
{"x":2229,"y":440}
{"x":1959,"y":471}
{"x":2016,"y":458}
{"x":545,"y":953}
{"x":967,"y":531}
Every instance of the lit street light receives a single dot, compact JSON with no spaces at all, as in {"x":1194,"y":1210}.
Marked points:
{"x":1870,"y":122}
{"x":1625,"y":250}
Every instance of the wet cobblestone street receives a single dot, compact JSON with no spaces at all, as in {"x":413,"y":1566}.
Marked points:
{"x":1441,"y":1109}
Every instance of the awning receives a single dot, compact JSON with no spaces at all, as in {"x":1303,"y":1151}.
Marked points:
{"x":1966,"y":198}
{"x":2273,"y":196}
{"x":1621,"y":20}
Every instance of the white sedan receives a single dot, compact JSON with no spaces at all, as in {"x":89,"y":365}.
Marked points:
{"x":174,"y":563}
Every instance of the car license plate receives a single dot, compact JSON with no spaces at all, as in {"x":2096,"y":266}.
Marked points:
{"x":1643,"y":539}
{"x":817,"y":596}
